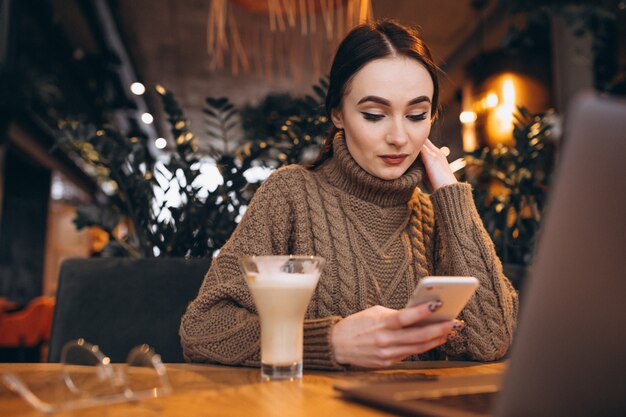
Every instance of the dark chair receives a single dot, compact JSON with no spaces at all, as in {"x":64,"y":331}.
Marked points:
{"x":119,"y":303}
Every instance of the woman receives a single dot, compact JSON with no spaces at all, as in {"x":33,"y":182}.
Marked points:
{"x":358,"y":206}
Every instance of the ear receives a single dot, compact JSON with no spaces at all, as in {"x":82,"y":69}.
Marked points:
{"x":337,"y":118}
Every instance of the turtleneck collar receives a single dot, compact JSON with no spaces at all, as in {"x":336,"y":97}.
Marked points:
{"x":343,"y":172}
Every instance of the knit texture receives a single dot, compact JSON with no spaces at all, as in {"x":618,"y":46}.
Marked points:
{"x":379,"y":239}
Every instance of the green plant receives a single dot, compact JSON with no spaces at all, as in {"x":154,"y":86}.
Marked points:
{"x":511,"y":184}
{"x":293,"y":127}
{"x":166,"y":206}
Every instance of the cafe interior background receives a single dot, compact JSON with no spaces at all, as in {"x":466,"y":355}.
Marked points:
{"x":140,"y":129}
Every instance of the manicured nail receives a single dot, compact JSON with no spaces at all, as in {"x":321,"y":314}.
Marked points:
{"x":459,"y":325}
{"x":452,"y":336}
{"x":435,"y":305}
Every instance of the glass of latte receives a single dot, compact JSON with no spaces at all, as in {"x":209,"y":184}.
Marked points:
{"x":282,"y":287}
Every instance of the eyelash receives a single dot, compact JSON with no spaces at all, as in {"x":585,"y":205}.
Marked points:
{"x":372,"y":117}
{"x":376,"y":117}
{"x":417,"y":117}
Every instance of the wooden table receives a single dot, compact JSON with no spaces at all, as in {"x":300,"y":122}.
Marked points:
{"x":210,"y":390}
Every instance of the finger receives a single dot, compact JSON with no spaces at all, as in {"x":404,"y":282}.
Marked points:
{"x":412,"y":315}
{"x":425,"y":347}
{"x":417,"y":334}
{"x":426,"y":157}
{"x":430,"y":154}
{"x":432,"y":147}
{"x":394,"y":354}
{"x":425,"y":333}
{"x":427,"y":149}
{"x":429,"y":144}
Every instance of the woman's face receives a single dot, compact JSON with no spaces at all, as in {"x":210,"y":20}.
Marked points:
{"x":386,"y":115}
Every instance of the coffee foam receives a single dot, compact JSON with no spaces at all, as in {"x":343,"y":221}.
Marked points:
{"x":283,"y":279}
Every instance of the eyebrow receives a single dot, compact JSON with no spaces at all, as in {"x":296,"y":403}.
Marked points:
{"x":385,"y":102}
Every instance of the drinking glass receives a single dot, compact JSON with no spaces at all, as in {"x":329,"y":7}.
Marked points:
{"x":282,"y":287}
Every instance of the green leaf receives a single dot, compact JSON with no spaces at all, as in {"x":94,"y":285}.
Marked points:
{"x":209,"y":112}
{"x":93,"y":215}
{"x":320,"y":92}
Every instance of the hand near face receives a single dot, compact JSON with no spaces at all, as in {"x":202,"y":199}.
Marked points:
{"x":386,"y":115}
{"x":379,"y":336}
{"x":438,"y":172}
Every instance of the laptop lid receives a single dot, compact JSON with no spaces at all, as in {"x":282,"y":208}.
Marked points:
{"x":569,"y":356}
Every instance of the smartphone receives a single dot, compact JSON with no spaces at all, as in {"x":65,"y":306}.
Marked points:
{"x":454,"y":293}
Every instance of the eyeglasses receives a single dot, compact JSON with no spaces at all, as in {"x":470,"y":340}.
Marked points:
{"x":91,"y":380}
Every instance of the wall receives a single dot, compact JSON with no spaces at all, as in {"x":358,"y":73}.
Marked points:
{"x":63,"y":241}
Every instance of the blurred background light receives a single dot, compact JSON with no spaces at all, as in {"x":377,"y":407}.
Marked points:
{"x":137,"y":88}
{"x":160,"y":143}
{"x":147,"y":118}
{"x":467,"y":117}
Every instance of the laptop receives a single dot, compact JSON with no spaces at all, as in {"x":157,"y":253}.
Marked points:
{"x":569,"y":353}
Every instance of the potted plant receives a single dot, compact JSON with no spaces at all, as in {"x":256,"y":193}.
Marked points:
{"x":154,"y":208}
{"x":511,"y":185}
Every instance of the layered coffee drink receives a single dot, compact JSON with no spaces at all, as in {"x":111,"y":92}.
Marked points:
{"x":282,"y":302}
{"x":282,"y":288}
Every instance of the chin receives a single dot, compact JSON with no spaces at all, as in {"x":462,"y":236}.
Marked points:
{"x":390,"y":173}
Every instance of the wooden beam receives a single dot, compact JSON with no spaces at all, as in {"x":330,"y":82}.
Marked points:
{"x":37,"y":148}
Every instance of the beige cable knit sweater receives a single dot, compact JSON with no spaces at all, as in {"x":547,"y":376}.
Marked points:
{"x":379,"y":238}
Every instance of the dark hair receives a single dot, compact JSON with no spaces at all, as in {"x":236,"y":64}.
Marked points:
{"x":366,"y":43}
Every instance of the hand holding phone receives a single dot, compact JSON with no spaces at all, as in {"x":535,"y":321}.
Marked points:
{"x":453,"y":292}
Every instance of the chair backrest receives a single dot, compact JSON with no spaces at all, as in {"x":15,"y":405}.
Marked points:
{"x":119,"y":303}
{"x":28,"y":327}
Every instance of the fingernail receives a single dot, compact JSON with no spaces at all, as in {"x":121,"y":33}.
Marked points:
{"x":459,"y":325}
{"x":452,"y":336}
{"x":435,"y":305}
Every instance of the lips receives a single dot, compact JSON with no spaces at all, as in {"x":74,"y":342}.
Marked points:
{"x":393,"y":159}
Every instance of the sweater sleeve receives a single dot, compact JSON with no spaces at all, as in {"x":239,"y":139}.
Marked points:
{"x":465,"y":249}
{"x":221,"y":325}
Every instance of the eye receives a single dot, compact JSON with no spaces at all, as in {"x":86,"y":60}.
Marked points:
{"x":417,"y":117}
{"x":372,"y":117}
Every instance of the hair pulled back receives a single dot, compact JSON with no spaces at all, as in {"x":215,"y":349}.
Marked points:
{"x":366,"y":43}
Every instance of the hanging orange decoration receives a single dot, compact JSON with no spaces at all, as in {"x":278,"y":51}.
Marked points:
{"x":278,"y":38}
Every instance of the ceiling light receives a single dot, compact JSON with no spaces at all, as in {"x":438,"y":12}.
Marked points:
{"x":137,"y":88}
{"x":492,"y":100}
{"x":467,"y":117}
{"x":160,"y":143}
{"x":147,"y":118}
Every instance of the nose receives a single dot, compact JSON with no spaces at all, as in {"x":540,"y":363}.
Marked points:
{"x":397,"y":135}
